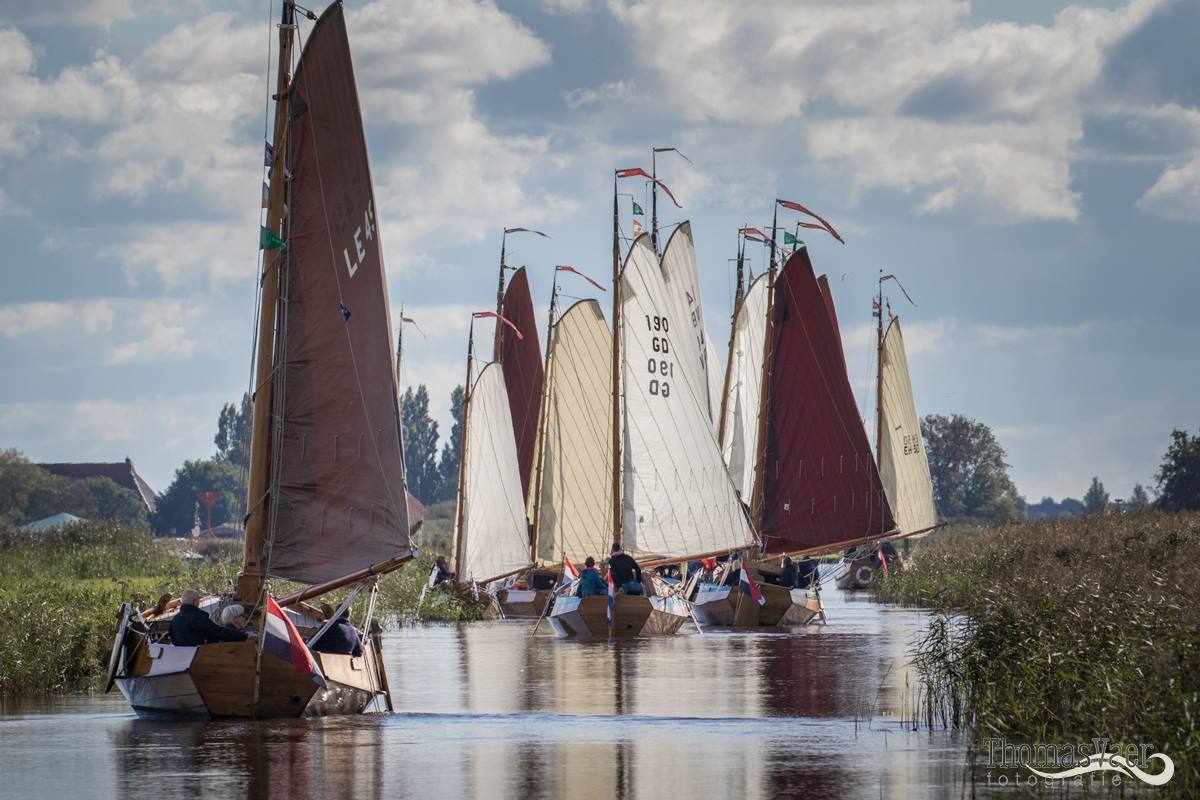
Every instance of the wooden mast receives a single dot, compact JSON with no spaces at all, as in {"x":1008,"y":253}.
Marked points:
{"x":500,"y":297}
{"x":879,"y":373}
{"x":768,"y":337}
{"x":616,"y":372}
{"x":249,"y":583}
{"x":459,"y":538}
{"x":654,"y":200}
{"x":737,"y":305}
{"x":541,"y":452}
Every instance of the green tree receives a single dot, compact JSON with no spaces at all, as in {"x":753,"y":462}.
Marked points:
{"x":1095,"y":499}
{"x":966,"y":463}
{"x":177,"y":505}
{"x":19,"y":479}
{"x":1140,"y":498}
{"x":1179,"y":474}
{"x":420,"y":444}
{"x":452,"y":450}
{"x":233,"y":432}
{"x":28,"y":493}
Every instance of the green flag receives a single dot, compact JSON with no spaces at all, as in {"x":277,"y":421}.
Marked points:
{"x":638,"y":209}
{"x":268,"y":240}
{"x":788,"y":238}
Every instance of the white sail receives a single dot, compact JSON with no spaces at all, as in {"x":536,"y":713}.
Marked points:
{"x":903,"y":467}
{"x":692,"y":346}
{"x":679,"y":500}
{"x":575,"y":517}
{"x":496,"y":539}
{"x":745,"y":387}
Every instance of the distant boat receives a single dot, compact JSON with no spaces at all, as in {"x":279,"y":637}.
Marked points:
{"x":327,"y":502}
{"x":814,"y":485}
{"x":900,"y":449}
{"x":491,"y":534}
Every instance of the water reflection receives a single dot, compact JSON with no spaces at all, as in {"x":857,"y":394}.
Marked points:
{"x":487,"y":711}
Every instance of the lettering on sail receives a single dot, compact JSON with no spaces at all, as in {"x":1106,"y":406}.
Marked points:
{"x":363,"y":233}
{"x":662,"y":369}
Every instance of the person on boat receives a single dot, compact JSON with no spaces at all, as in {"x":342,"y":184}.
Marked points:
{"x":787,"y":574}
{"x":626,"y":572}
{"x":234,"y":616}
{"x":590,"y":581}
{"x":340,"y":638}
{"x":808,"y":573}
{"x":442,"y":572}
{"x":192,"y":627}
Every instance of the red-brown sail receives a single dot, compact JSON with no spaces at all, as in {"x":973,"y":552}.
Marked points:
{"x":821,"y":487}
{"x":827,"y":296}
{"x":522,"y":360}
{"x":338,"y":468}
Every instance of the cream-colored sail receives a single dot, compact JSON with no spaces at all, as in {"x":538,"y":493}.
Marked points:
{"x":678,"y":498}
{"x":575,"y":517}
{"x":691,"y":342}
{"x":745,"y":388}
{"x":903,"y":467}
{"x":496,"y":539}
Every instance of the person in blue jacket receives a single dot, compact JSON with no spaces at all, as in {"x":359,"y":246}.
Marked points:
{"x":590,"y":582}
{"x":192,"y":627}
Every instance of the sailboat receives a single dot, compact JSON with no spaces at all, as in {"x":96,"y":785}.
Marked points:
{"x":672,"y":499}
{"x":491,"y":537}
{"x":814,"y":485}
{"x":326,"y":482}
{"x":900,"y":449}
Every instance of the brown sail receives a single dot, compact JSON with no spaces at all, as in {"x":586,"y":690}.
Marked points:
{"x":338,"y":468}
{"x":821,"y":487}
{"x":522,"y":361}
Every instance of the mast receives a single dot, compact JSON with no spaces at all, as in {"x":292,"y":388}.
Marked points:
{"x":249,"y":584}
{"x":460,"y":538}
{"x":500,"y":296}
{"x":616,"y":372}
{"x":768,"y":335}
{"x":879,"y":372}
{"x":737,"y":304}
{"x":537,"y":493}
{"x":654,"y":200}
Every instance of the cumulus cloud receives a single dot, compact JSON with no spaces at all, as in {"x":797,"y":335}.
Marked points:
{"x":1176,"y":193}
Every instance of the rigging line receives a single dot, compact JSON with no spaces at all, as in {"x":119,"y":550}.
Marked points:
{"x":341,"y":298}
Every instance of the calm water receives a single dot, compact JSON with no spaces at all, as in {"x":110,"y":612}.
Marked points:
{"x":486,"y":711}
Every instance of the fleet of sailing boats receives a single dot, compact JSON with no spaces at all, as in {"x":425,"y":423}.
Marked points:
{"x":628,"y":432}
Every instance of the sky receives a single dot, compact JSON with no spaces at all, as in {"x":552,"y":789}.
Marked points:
{"x":1029,"y":169}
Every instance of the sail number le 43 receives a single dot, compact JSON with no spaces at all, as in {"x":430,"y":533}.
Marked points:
{"x":659,"y":367}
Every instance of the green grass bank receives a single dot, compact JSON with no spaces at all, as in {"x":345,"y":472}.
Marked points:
{"x":1062,"y":631}
{"x":60,"y":590}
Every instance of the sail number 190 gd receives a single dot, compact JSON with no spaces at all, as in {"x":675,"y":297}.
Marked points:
{"x":660,"y":368}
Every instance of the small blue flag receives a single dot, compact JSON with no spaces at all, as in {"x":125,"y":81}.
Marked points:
{"x":345,"y":311}
{"x":268,"y":154}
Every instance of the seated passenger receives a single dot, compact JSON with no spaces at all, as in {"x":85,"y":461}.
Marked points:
{"x":234,"y":616}
{"x":787,"y":575}
{"x":192,"y":627}
{"x":626,"y":573}
{"x":590,"y":582}
{"x":340,"y":638}
{"x":808,"y":574}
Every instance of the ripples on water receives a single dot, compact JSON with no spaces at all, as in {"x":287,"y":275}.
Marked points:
{"x":487,"y":711}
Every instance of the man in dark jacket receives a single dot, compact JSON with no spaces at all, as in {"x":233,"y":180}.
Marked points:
{"x":590,"y":582}
{"x":625,"y":571}
{"x":341,"y":638}
{"x":192,"y":627}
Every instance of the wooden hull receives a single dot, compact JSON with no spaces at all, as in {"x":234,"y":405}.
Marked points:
{"x":522,"y":603}
{"x":587,"y":617}
{"x":728,"y":607}
{"x":217,"y":680}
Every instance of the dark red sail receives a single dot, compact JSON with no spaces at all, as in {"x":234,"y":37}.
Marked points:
{"x":338,"y":469}
{"x":522,"y":360}
{"x":821,"y":488}
{"x":827,"y":296}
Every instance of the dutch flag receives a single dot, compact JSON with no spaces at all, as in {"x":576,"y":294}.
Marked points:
{"x":282,"y":640}
{"x":612,"y":598}
{"x":750,"y":587}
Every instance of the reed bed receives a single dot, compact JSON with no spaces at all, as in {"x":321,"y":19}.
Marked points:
{"x":1062,"y":631}
{"x":60,"y":591}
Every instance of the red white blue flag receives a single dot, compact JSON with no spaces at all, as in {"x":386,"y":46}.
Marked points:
{"x":282,"y":640}
{"x":750,"y":587}
{"x":612,"y":598}
{"x":570,"y":568}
